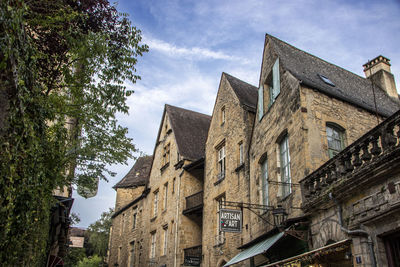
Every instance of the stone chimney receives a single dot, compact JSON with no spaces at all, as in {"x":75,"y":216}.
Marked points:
{"x":378,"y":71}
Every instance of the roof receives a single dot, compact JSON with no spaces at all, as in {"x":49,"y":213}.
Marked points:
{"x":246,"y":93}
{"x":75,"y":231}
{"x":348,"y":87}
{"x":190,"y":129}
{"x":138,"y":175}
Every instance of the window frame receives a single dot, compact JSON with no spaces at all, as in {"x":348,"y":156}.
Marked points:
{"x":284,"y":159}
{"x":221,"y":161}
{"x":153,"y":241}
{"x":155,"y":203}
{"x":223,"y":117}
{"x":165,"y":203}
{"x":241,"y":153}
{"x":341,"y":132}
{"x":265,"y":182}
{"x":132,"y":253}
{"x":134,"y":218}
{"x":164,"y":247}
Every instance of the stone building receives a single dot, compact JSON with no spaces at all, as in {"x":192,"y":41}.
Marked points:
{"x":269,"y":155}
{"x":227,"y":170}
{"x":126,"y":234}
{"x":174,"y":205}
{"x":308,"y":111}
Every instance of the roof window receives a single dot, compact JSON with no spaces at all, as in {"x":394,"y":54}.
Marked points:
{"x":326,"y":80}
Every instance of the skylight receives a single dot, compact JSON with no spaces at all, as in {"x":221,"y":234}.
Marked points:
{"x":326,"y":80}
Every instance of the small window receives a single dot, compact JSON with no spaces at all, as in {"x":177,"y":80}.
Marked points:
{"x":173,"y":185}
{"x":286,"y":182}
{"x":153,"y":245}
{"x":165,"y":196}
{"x":132,"y":254}
{"x":241,"y":153}
{"x":264,"y":175}
{"x":336,"y":140}
{"x":134,"y":218}
{"x":222,"y":115}
{"x":155,"y":204}
{"x":326,"y":80}
{"x":166,"y":154}
{"x":165,"y":240}
{"x":121,"y":230}
{"x":221,"y":163}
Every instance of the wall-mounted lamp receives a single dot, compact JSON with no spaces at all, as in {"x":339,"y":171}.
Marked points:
{"x":280,"y":216}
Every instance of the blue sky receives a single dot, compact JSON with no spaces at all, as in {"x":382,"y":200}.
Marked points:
{"x":193,"y":42}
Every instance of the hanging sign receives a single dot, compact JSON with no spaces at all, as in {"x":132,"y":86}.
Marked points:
{"x":230,"y":220}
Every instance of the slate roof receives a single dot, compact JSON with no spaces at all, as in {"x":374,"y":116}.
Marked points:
{"x":246,"y":93}
{"x":190,"y":129}
{"x":138,"y":175}
{"x":348,"y":87}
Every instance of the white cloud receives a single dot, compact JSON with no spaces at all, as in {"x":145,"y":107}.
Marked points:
{"x":192,"y":52}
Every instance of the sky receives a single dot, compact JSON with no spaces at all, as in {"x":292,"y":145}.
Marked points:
{"x":192,"y":42}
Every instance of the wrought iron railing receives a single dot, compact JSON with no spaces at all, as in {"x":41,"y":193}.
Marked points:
{"x":374,"y":146}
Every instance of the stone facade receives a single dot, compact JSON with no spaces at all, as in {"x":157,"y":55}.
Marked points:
{"x":230,"y":128}
{"x":259,"y":147}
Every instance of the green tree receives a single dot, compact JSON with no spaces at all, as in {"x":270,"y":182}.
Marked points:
{"x":93,"y":261}
{"x":99,"y":233}
{"x":63,"y":64}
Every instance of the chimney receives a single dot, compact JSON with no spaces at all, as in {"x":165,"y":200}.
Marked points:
{"x":378,"y":71}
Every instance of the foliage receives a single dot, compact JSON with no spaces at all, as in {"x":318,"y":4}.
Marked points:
{"x":99,"y":232}
{"x":74,"y":218}
{"x":62,"y":68}
{"x":74,"y":256}
{"x":93,"y":261}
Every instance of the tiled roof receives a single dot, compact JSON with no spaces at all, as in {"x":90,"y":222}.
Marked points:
{"x":348,"y":87}
{"x":138,"y":175}
{"x":190,"y":129}
{"x":246,"y":93}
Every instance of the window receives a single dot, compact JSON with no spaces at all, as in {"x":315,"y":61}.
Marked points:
{"x":221,"y":162}
{"x":222,"y":115}
{"x":241,"y":153}
{"x":220,"y":237}
{"x":165,"y":195}
{"x":119,"y":254}
{"x":134,"y":217}
{"x":335,"y":136}
{"x":166,"y":154}
{"x":155,"y":204}
{"x":285,"y":166}
{"x":153,"y":245}
{"x":173,"y":185}
{"x":269,"y":90}
{"x":132,"y":254}
{"x":264,"y":175}
{"x":121,"y":229}
{"x":165,"y":240}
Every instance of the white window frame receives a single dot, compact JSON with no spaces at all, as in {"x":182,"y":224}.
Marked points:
{"x":221,"y":162}
{"x":165,"y":196}
{"x":153,"y":241}
{"x":284,"y":156}
{"x":155,"y":203}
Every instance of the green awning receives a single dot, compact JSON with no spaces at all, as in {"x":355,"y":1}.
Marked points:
{"x":256,"y":249}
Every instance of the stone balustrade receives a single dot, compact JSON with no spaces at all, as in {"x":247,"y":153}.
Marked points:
{"x":372,"y":147}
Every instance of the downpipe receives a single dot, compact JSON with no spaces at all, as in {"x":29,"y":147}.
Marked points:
{"x":355,"y":232}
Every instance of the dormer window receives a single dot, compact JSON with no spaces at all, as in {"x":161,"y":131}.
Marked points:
{"x":269,"y":90}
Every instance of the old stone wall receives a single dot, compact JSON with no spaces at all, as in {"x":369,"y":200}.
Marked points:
{"x":126,"y":236}
{"x":219,"y":248}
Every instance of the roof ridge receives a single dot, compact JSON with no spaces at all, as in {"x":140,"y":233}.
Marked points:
{"x":186,"y":110}
{"x":231,"y":76}
{"x":314,"y":56}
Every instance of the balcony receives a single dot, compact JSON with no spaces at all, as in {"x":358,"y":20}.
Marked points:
{"x":192,"y":256}
{"x":194,"y":204}
{"x":359,"y":165}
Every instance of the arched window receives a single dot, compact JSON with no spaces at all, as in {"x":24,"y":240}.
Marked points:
{"x":336,"y":139}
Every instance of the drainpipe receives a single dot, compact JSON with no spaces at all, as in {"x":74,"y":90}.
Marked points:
{"x":355,"y":232}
